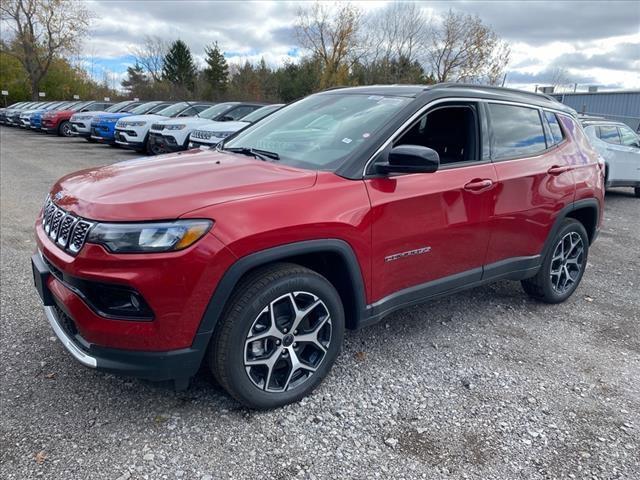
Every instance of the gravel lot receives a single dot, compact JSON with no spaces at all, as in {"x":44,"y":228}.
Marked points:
{"x":487,"y":384}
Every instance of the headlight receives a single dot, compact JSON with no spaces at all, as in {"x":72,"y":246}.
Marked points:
{"x":175,"y":127}
{"x":149,"y":237}
{"x":131,"y":124}
{"x":221,"y":134}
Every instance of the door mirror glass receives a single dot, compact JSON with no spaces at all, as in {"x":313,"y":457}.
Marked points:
{"x":410,"y":159}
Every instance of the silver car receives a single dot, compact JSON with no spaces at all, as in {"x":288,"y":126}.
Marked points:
{"x":620,"y":148}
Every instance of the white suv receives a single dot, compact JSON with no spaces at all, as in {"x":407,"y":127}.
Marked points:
{"x":173,"y":135}
{"x":133,"y":132}
{"x":213,"y":133}
{"x":620,"y":148}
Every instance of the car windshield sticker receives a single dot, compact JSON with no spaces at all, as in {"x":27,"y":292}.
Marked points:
{"x":346,"y":140}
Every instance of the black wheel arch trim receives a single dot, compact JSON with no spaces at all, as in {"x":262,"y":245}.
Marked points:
{"x":589,"y":203}
{"x":243,"y":265}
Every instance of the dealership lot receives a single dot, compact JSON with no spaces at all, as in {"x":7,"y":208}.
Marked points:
{"x":485,"y":384}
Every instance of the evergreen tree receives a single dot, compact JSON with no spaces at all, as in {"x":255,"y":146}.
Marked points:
{"x":136,"y":81}
{"x":217,"y":70}
{"x":179,"y":67}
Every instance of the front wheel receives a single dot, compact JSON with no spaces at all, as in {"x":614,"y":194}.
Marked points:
{"x":64,"y":130}
{"x":563,"y":265}
{"x":278,"y":337}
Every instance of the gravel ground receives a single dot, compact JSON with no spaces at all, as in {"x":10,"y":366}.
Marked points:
{"x":487,"y":384}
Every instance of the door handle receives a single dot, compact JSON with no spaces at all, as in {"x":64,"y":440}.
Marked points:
{"x":557,"y":170}
{"x":476,"y":185}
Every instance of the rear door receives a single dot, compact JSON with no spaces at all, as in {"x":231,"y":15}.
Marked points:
{"x":535,"y":181}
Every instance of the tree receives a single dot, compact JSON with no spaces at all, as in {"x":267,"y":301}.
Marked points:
{"x":295,"y":81}
{"x":179,"y":68}
{"x":150,"y":55}
{"x":463,"y":49}
{"x":217,"y":71}
{"x":395,"y":36}
{"x":41,"y":31}
{"x":136,"y":83}
{"x":331,"y":36}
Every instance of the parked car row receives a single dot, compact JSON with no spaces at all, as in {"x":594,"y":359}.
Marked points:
{"x":152,"y":127}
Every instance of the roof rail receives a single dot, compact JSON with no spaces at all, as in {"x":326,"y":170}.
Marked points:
{"x":493,"y":87}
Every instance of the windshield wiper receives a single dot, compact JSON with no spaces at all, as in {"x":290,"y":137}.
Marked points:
{"x":261,"y":154}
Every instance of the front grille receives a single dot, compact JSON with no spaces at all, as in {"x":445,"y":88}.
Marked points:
{"x":201,"y":134}
{"x":157,"y":126}
{"x":67,"y":231}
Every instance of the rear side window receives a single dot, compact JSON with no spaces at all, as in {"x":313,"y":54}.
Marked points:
{"x":517,"y":131}
{"x":238,"y":113}
{"x":628,"y":137}
{"x":554,"y":127}
{"x":609,"y":134}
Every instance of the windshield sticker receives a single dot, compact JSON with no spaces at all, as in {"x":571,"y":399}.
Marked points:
{"x":375,"y":97}
{"x":347,"y":140}
{"x":366,"y":135}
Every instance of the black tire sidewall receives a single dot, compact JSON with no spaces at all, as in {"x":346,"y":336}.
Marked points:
{"x":62,"y":127}
{"x":570,"y":225}
{"x":239,"y":381}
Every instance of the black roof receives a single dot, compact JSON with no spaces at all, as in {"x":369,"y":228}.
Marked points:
{"x":440,"y":90}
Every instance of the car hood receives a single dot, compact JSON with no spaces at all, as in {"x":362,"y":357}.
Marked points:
{"x":145,"y":118}
{"x":223,"y":126}
{"x":87,"y":115}
{"x":168,"y":186}
{"x":111,"y":116}
{"x":190,"y":122}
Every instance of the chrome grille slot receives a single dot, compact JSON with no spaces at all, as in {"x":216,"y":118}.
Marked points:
{"x":79,"y":236}
{"x":157,"y":126}
{"x":67,"y":231}
{"x":55,"y":223}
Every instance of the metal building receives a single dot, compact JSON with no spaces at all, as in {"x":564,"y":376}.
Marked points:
{"x":622,"y":106}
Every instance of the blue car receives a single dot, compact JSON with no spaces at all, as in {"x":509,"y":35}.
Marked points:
{"x":103,"y":127}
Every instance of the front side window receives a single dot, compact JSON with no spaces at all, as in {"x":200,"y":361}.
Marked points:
{"x":213,"y":112}
{"x":452,"y":131}
{"x":609,"y":134}
{"x":628,"y":137}
{"x":517,"y":131}
{"x":171,"y":110}
{"x":320,"y":131}
{"x":144,"y":108}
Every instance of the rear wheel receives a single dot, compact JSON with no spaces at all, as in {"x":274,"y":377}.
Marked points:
{"x":636,"y":191}
{"x":563,"y":265}
{"x":278,"y":337}
{"x":64,"y":130}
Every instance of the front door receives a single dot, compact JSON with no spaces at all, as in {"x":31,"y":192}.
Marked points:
{"x":428,"y":227}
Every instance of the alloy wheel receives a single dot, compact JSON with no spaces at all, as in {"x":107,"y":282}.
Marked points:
{"x":287,"y":342}
{"x":567,"y":262}
{"x":66,"y":130}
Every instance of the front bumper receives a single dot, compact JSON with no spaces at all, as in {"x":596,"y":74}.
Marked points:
{"x":178,"y":364}
{"x":166,"y":143}
{"x":80,"y":129}
{"x":127,"y":139}
{"x":102,"y":133}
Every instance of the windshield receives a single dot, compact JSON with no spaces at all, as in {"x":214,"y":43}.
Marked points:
{"x":63,"y":106}
{"x":216,"y":110}
{"x":144,"y":108}
{"x":260,"y":113}
{"x":320,"y":131}
{"x":116,"y":108}
{"x":172,"y":110}
{"x":80,"y":106}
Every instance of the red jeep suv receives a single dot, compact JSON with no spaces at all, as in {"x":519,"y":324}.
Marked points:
{"x":329,"y":214}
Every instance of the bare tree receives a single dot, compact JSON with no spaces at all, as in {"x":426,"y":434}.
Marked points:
{"x":40,"y":31}
{"x":331,"y":35}
{"x":463,"y":49}
{"x":150,"y":55}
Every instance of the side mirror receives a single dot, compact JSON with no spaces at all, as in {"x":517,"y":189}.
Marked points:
{"x":226,"y":118}
{"x":410,"y":159}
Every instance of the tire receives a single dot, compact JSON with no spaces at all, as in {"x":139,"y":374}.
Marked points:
{"x":568,"y":268}
{"x":153,"y":149}
{"x":64,"y":130}
{"x":636,"y":192}
{"x":315,"y":345}
{"x":90,"y":140}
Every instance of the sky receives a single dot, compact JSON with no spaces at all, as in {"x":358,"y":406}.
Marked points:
{"x":594,"y":42}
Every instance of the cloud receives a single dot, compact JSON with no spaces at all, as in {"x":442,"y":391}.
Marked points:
{"x":598,"y":41}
